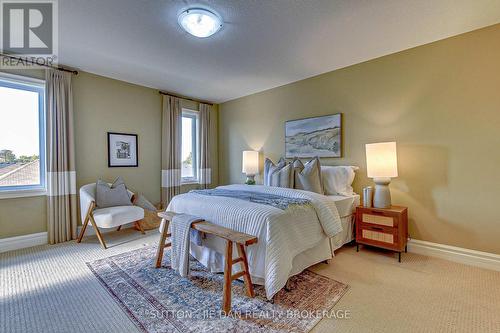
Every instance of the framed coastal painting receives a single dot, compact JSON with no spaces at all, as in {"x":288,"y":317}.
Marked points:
{"x":122,"y":150}
{"x":310,"y":137}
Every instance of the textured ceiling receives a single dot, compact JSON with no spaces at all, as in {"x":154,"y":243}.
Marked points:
{"x":263,"y":44}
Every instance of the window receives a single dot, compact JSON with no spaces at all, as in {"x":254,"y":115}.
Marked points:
{"x":22,"y":136}
{"x":189,"y":171}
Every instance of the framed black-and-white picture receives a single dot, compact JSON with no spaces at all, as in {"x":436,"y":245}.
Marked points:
{"x":122,"y":150}
{"x":310,"y":137}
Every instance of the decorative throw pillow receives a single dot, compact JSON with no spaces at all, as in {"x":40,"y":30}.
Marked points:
{"x":338,"y":179}
{"x":308,"y":176}
{"x":111,"y":196}
{"x":280,"y":175}
{"x":269,"y":165}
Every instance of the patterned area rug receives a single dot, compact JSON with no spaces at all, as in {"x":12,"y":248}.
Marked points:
{"x":159,"y":300}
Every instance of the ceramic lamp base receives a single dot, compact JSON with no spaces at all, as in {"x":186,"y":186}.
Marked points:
{"x":382,"y":196}
{"x":250,"y":180}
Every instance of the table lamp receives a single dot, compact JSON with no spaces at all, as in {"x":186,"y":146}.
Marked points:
{"x":382,"y":165}
{"x":250,"y":165}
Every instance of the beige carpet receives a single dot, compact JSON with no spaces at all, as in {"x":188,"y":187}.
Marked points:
{"x":50,"y":289}
{"x":421,"y":294}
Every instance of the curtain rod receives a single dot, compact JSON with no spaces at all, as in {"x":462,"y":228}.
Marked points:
{"x":37,"y":64}
{"x":184,"y":97}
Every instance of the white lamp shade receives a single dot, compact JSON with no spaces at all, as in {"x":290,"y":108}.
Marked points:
{"x":381,"y":160}
{"x":250,"y":162}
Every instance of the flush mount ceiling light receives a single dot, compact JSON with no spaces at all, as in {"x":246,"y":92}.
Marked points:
{"x":200,"y":22}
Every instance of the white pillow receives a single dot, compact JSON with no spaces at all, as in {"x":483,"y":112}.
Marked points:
{"x":338,"y":179}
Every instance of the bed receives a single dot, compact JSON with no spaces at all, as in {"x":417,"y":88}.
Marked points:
{"x":289,"y":240}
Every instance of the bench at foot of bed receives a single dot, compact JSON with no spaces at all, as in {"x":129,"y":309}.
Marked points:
{"x":231,"y":236}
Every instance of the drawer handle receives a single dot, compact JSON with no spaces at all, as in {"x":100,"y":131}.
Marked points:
{"x":374,"y":212}
{"x":377,"y":228}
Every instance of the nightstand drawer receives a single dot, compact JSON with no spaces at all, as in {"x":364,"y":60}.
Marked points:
{"x":377,"y":236}
{"x":387,"y":221}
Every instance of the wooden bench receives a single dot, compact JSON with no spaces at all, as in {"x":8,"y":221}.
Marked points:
{"x":231,"y":236}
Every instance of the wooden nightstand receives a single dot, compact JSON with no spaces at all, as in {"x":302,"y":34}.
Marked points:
{"x":386,"y":228}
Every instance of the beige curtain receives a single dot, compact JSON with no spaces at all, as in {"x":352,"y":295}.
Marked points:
{"x":61,"y":175}
{"x":208,"y":145}
{"x":171,"y":142}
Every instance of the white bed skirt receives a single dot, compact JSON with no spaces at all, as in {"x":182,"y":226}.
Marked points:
{"x":210,"y":253}
{"x":347,"y":234}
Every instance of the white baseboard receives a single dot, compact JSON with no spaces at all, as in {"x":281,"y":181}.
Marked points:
{"x":24,"y":241}
{"x":456,"y":254}
{"x":42,"y":238}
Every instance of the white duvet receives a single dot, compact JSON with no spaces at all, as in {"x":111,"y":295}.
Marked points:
{"x":282,"y":234}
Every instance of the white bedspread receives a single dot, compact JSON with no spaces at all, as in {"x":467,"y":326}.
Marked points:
{"x":282,"y":234}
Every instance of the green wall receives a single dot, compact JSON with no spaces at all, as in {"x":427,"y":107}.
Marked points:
{"x":100,"y":105}
{"x":440,"y":102}
{"x":104,"y":105}
{"x":22,"y":216}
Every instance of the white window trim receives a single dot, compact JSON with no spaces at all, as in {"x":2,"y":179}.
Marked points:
{"x":196,"y":115}
{"x":29,"y":191}
{"x":22,"y":79}
{"x":22,"y":193}
{"x":189,"y":181}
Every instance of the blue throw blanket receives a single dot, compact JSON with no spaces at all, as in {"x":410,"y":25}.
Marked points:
{"x":274,"y":200}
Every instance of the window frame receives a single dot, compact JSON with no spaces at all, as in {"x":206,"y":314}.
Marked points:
{"x":34,"y":85}
{"x":187,"y":113}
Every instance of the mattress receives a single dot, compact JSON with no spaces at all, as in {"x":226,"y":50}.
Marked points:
{"x":345,"y":205}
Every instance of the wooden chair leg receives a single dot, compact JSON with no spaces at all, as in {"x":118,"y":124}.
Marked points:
{"x":84,"y":227}
{"x":226,"y":292}
{"x":86,"y":222}
{"x":246,"y":276}
{"x":138,"y":224}
{"x":161,"y":245}
{"x":97,"y":232}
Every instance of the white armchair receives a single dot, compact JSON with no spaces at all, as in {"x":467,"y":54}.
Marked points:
{"x":110,"y":217}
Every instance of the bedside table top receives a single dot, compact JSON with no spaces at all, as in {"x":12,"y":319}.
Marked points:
{"x":394,"y":209}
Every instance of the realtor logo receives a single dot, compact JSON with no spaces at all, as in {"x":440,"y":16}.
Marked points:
{"x":29,"y":30}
